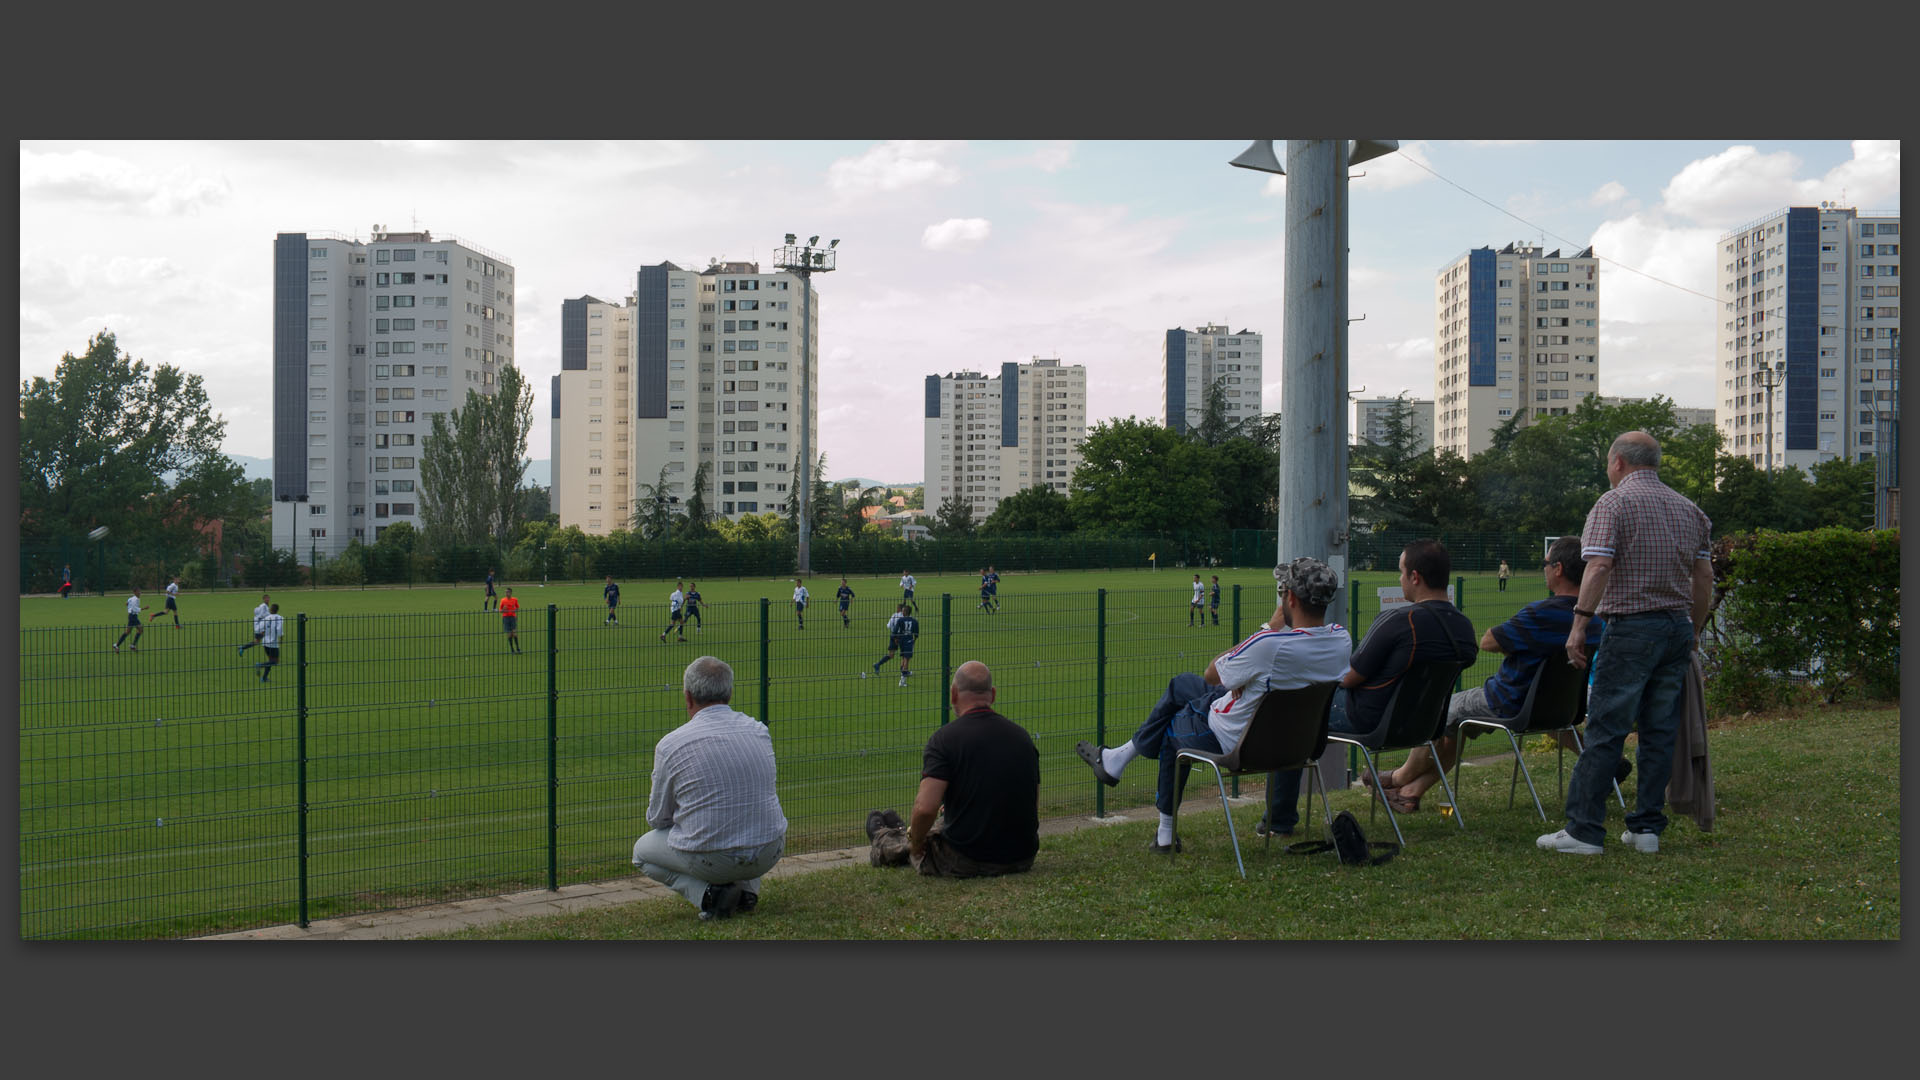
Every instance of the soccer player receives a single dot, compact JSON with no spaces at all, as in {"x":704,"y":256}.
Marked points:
{"x":173,"y":593}
{"x":893,"y":636}
{"x":986,"y":589}
{"x":133,"y":623}
{"x":845,"y":595}
{"x":676,"y":619}
{"x":1198,"y":606}
{"x":270,"y":628}
{"x":1214,"y":600}
{"x":691,"y":612}
{"x":800,"y":603}
{"x":259,"y":624}
{"x":906,"y":586}
{"x":993,"y":588}
{"x":66,"y":580}
{"x":612,"y":593}
{"x":489,"y":600}
{"x":510,"y":619}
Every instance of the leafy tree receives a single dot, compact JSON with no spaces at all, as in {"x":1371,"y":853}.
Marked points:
{"x":399,"y":536}
{"x":917,"y":498}
{"x":110,"y":441}
{"x":954,"y":520}
{"x":1137,"y":477}
{"x":753,"y":527}
{"x":653,"y":508}
{"x":854,"y":516}
{"x":535,"y":502}
{"x":1214,"y":427}
{"x":1843,"y":493}
{"x":1687,"y":458}
{"x":472,"y":462}
{"x":696,"y":525}
{"x":1037,"y":509}
{"x":1384,"y":472}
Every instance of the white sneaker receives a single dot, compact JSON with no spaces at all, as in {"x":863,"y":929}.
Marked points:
{"x":1641,"y":841}
{"x":863,"y":674}
{"x":903,"y":682}
{"x":1565,"y":841}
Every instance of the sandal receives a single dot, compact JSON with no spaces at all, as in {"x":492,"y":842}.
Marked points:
{"x":1402,"y":804}
{"x":1386,"y":780}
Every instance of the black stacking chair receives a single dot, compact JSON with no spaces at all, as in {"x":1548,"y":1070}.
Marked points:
{"x":1285,"y":732}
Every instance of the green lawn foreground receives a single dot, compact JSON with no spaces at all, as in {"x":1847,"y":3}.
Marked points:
{"x":1805,"y":846}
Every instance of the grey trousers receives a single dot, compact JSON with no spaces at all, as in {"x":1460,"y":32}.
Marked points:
{"x":690,"y":872}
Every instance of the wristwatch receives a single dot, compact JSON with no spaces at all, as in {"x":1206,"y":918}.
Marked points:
{"x":1583,"y":614}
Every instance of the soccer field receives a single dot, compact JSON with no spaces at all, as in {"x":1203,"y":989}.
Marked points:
{"x":162,"y":791}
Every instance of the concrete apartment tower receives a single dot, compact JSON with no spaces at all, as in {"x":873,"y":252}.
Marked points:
{"x":699,"y":368}
{"x":1370,"y":421}
{"x":1193,"y":360}
{"x":1816,"y":289}
{"x":370,"y":338}
{"x":1516,"y":333}
{"x":988,"y":437}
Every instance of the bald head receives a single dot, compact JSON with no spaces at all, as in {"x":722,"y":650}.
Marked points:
{"x":972,"y":687}
{"x":1636,"y":450}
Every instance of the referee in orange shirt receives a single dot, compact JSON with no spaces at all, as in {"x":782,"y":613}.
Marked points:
{"x":510,"y":618}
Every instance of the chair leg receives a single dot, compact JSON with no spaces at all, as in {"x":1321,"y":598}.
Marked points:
{"x":1380,"y":800}
{"x":1520,"y":768}
{"x":1232,"y":833}
{"x":1458,"y":818}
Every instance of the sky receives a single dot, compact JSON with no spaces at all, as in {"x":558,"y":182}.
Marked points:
{"x":953,"y":255}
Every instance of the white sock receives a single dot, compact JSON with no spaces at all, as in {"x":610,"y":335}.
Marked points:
{"x":1115,"y":758}
{"x":1165,"y":836}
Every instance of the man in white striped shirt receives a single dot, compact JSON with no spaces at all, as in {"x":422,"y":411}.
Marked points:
{"x":714,"y":819}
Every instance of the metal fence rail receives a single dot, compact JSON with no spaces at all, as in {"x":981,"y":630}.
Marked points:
{"x":394,"y":760}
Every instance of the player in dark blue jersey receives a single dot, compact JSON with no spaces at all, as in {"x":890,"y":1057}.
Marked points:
{"x":993,"y":587}
{"x":693,"y":605}
{"x":845,"y":596}
{"x":1216,"y":600}
{"x":986,"y":591}
{"x":612,"y":593}
{"x":902,"y":630}
{"x":489,"y":600}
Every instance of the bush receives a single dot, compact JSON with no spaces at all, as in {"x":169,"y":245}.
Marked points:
{"x":1820,"y":608}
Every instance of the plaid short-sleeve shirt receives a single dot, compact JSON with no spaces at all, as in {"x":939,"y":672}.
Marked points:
{"x":1653,"y":534}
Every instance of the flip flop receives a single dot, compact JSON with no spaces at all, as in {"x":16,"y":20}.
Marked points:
{"x":1400,"y":803}
{"x":1386,"y":780}
{"x":1090,"y":754}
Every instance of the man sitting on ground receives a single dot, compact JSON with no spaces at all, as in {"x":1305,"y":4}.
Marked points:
{"x":1427,"y":628}
{"x":714,"y":821}
{"x":1295,"y":648}
{"x":1535,"y":634}
{"x":981,"y":778}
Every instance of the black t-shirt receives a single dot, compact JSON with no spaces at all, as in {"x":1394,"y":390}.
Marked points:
{"x":1401,"y":636}
{"x":992,"y":770}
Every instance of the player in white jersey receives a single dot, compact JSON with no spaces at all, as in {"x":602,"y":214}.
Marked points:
{"x":1198,"y":608}
{"x":906,"y":586}
{"x":133,"y":623}
{"x":800,"y":603}
{"x":259,"y":623}
{"x":173,"y":594}
{"x":270,"y":640}
{"x":676,"y":616}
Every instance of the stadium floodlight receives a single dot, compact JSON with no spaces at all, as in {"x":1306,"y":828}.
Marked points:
{"x":831,"y":244}
{"x":812,"y":241}
{"x":789,"y":238}
{"x":805,"y":263}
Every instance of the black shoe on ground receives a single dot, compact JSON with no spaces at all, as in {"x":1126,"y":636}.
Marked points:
{"x":1090,"y":754}
{"x":1154,"y":845}
{"x":721,"y":901}
{"x":748,"y":902}
{"x":876,"y":820}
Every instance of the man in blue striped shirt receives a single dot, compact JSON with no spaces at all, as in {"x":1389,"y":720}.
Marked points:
{"x":1535,"y":634}
{"x":1295,"y":648}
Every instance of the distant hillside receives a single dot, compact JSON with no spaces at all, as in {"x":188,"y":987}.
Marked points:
{"x":539,"y":472}
{"x":866,"y":483}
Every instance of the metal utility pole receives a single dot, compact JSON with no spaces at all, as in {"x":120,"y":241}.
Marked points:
{"x":805,"y":261}
{"x":1313,"y":376}
{"x":1770,"y":378}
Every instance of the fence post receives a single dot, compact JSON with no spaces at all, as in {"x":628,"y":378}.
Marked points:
{"x":300,"y":750}
{"x":1100,"y":690}
{"x":553,"y":752}
{"x":766,"y":713}
{"x":946,"y":655}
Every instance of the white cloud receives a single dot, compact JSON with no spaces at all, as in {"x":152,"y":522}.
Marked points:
{"x":1420,"y":348}
{"x":1610,"y":192}
{"x":892,"y":166}
{"x":1740,"y":183}
{"x":86,"y":176}
{"x":956,"y":234}
{"x":1053,"y":157}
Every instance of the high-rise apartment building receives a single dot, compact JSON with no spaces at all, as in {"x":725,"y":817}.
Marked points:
{"x":1370,"y":421}
{"x":1516,"y":333}
{"x":1191,"y":361}
{"x":988,"y":437}
{"x":1813,"y":293}
{"x":698,"y":369}
{"x":370,"y":338}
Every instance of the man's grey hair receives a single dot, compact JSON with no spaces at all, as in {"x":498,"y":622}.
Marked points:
{"x":1637,"y":448}
{"x":708,"y":681}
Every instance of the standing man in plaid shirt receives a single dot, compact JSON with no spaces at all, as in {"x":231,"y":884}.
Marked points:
{"x":1650,"y":575}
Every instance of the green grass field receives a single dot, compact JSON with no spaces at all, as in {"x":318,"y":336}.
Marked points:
{"x":161,"y":790}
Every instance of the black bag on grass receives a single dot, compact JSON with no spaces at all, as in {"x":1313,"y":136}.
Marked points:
{"x":1349,"y":843}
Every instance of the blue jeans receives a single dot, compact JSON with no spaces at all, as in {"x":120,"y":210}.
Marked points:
{"x":1178,"y":722}
{"x":1637,"y":678}
{"x":1283,"y":788}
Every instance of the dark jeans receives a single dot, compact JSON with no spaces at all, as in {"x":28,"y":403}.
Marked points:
{"x":1637,"y":678}
{"x":1283,"y":788}
{"x":1178,"y":722}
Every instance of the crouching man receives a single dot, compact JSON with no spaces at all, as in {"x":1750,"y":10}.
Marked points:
{"x":984,"y":771}
{"x":714,"y":819}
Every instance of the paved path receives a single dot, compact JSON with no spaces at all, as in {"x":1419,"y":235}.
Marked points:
{"x":445,"y":918}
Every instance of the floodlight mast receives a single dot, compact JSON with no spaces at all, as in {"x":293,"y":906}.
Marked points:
{"x":805,"y":261}
{"x":1314,"y":371}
